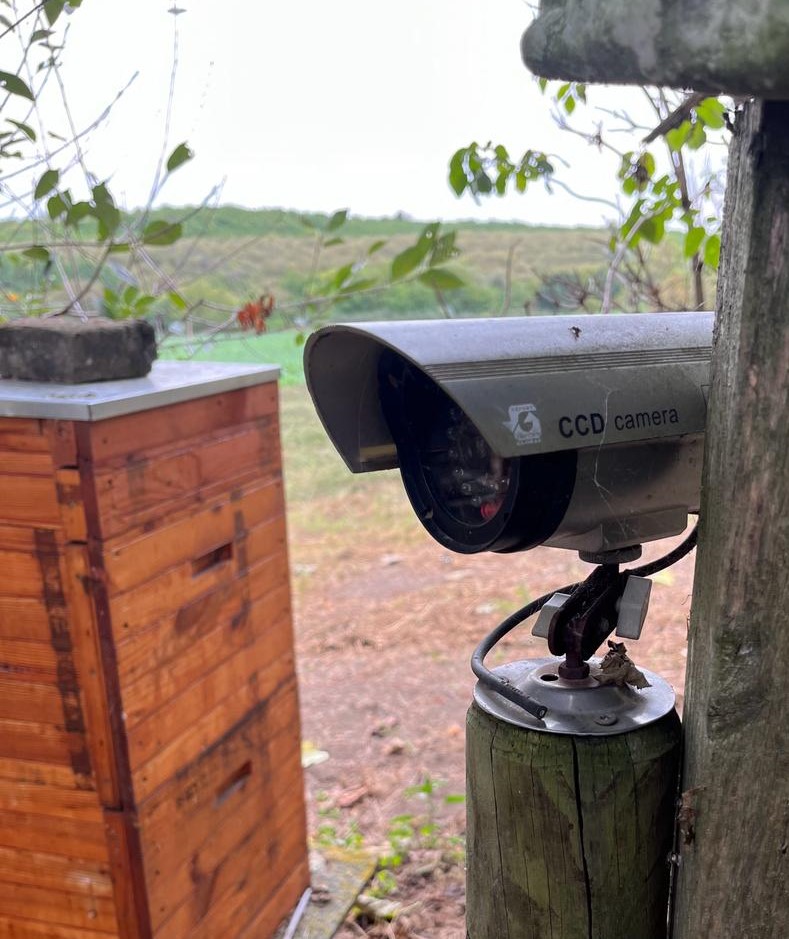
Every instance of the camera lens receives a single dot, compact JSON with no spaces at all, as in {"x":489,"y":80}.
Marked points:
{"x":467,"y":496}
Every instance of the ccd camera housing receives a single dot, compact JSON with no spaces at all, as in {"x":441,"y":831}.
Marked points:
{"x":581,"y":432}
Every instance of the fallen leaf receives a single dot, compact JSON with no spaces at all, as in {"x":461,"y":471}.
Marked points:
{"x":311,"y":755}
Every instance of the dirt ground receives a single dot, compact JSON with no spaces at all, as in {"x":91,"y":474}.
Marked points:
{"x":384,"y":638}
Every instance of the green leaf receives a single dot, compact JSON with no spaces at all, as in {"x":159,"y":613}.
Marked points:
{"x":307,"y":222}
{"x":14,"y":85}
{"x":77,"y":212}
{"x":428,"y":234}
{"x":53,"y":9}
{"x":444,"y":249}
{"x":26,"y":129}
{"x":56,"y":206}
{"x":376,"y":246}
{"x":333,"y":241}
{"x":710,"y":111}
{"x":37,"y":253}
{"x":337,"y":220}
{"x":677,"y":137}
{"x":457,"y":171}
{"x":161,"y":232}
{"x":300,"y":339}
{"x":408,"y":261}
{"x":697,"y":137}
{"x":182,"y":154}
{"x":653,"y":230}
{"x":438,"y":278}
{"x":177,"y":301}
{"x":455,"y":799}
{"x":693,"y":241}
{"x":40,"y":34}
{"x":569,"y":104}
{"x":483,"y":183}
{"x":341,"y":276}
{"x":46,"y":184}
{"x":712,"y":251}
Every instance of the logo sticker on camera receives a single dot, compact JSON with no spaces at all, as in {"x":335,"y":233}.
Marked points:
{"x":524,"y":423}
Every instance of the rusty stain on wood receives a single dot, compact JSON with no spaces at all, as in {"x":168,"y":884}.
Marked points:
{"x":67,"y":680}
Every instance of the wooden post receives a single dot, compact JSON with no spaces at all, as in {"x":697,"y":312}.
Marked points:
{"x":734,"y":867}
{"x":569,"y":837}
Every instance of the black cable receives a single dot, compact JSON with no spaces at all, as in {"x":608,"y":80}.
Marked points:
{"x":646,"y":570}
{"x":503,"y":686}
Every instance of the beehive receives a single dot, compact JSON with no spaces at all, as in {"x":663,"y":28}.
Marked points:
{"x":150,"y":777}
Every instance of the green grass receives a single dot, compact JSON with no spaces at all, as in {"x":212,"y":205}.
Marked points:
{"x":279,"y":348}
{"x":325,"y":500}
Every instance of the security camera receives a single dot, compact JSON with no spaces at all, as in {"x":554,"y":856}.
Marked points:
{"x":581,"y":432}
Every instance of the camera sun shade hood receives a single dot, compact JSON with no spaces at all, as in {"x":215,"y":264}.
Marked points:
{"x":530,"y":384}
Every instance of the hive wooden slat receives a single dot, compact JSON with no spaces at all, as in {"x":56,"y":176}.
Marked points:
{"x":30,"y":929}
{"x":55,"y":801}
{"x":178,"y":596}
{"x":37,"y":773}
{"x":129,"y":562}
{"x":283,"y":897}
{"x":19,"y":461}
{"x":166,"y":701}
{"x":29,"y":500}
{"x":58,"y":908}
{"x":20,"y":699}
{"x":28,"y":660}
{"x":235,"y":899}
{"x":143,"y":490}
{"x":150,"y":772}
{"x":137,"y":433}
{"x":227,"y":796}
{"x":23,"y":617}
{"x":70,"y":837}
{"x":55,"y":872}
{"x":30,"y":740}
{"x":208,"y":727}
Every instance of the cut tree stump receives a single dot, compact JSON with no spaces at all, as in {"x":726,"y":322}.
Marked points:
{"x":569,"y":837}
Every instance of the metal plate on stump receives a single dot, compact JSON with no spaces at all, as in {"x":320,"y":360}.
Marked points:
{"x":581,"y":708}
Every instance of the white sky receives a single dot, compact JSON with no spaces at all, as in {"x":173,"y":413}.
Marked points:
{"x":318,"y":105}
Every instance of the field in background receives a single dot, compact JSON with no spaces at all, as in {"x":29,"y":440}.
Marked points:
{"x":229,"y":256}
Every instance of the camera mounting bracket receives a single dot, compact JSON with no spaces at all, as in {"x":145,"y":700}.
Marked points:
{"x":576,"y":624}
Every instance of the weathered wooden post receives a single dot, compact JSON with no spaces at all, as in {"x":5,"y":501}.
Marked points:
{"x":570,"y":824}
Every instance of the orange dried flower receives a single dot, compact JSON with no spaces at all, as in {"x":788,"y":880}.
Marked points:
{"x":254,"y":314}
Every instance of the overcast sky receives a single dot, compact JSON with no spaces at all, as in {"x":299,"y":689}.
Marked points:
{"x":317,"y":105}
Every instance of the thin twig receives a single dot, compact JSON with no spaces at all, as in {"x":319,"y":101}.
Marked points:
{"x":86,"y":288}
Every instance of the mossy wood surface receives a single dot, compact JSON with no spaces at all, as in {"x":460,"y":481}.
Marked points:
{"x":569,"y":837}
{"x":734,"y":873}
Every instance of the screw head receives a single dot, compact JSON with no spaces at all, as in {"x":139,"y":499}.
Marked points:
{"x":605,"y":720}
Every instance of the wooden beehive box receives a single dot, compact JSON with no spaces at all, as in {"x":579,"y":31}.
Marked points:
{"x":150,"y":776}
